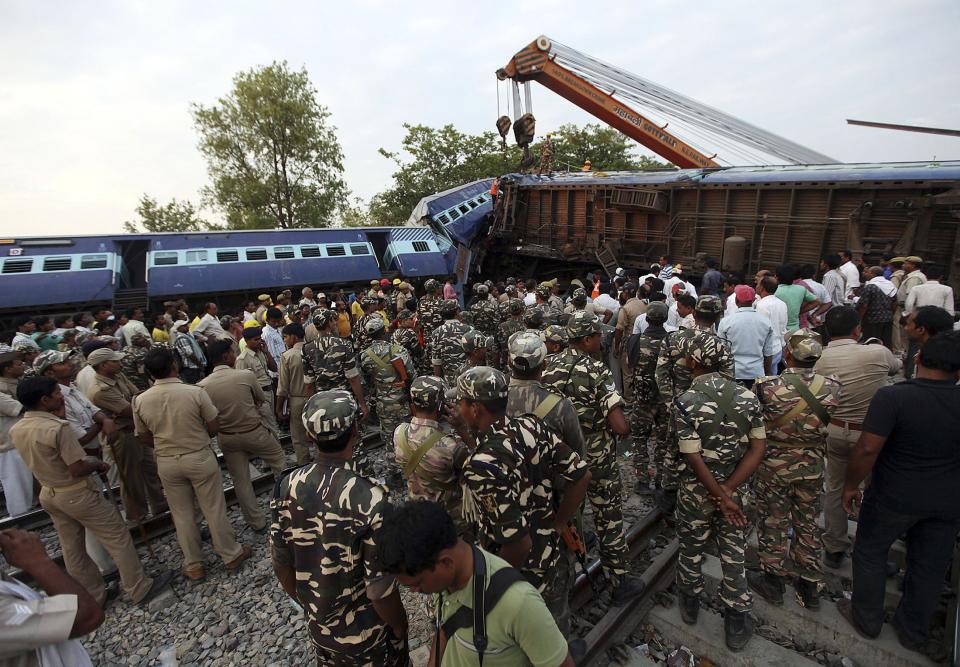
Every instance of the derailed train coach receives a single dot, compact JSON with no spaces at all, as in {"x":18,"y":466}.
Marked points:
{"x":748,"y":218}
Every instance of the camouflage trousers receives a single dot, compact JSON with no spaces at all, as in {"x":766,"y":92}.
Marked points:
{"x":392,"y":414}
{"x":391,"y":652}
{"x":780,"y":505}
{"x":648,"y":419}
{"x":698,"y":521}
{"x":666,"y":454}
{"x":605,"y":494}
{"x":556,"y":592}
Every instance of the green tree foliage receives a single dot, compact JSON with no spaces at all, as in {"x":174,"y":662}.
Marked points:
{"x":356,"y":213}
{"x":273,"y":158}
{"x":606,"y":148}
{"x":175,"y":216}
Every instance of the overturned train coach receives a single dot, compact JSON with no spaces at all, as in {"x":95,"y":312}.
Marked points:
{"x":746,"y":217}
{"x":47,"y":274}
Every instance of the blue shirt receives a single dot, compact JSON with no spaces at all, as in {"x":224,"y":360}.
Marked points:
{"x":751,"y":338}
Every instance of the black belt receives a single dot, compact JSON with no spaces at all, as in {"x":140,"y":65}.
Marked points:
{"x":268,"y":387}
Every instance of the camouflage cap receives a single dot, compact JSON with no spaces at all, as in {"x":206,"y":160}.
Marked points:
{"x":556,"y":334}
{"x":83,"y":336}
{"x":583,"y":324}
{"x":511,"y":290}
{"x":579,"y":294}
{"x":533,"y":318}
{"x":404,"y":315}
{"x":526,"y":350}
{"x":431,"y":285}
{"x":481,"y":289}
{"x":30,"y":346}
{"x":473,"y":340}
{"x":50,"y":357}
{"x":657,"y":312}
{"x":375,"y":325}
{"x":705,"y":348}
{"x":709,"y":304}
{"x":515,"y":306}
{"x":481,"y":383}
{"x":144,"y":338}
{"x":369,"y":301}
{"x":449,"y":308}
{"x":329,"y":414}
{"x":805,"y":345}
{"x":543,"y":291}
{"x":324,"y":317}
{"x":427,"y":392}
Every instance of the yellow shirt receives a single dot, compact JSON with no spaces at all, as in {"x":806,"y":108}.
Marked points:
{"x":356,"y":309}
{"x":160,"y":336}
{"x":343,"y":325}
{"x":196,"y":321}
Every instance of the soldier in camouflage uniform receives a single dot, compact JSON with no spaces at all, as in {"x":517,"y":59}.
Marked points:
{"x":391,"y":391}
{"x":533,"y":319}
{"x":323,"y":543}
{"x":507,"y":328}
{"x":649,"y":414}
{"x":133,"y":357}
{"x":673,"y":378}
{"x":475,"y":346}
{"x":556,"y":339}
{"x":446,"y":345}
{"x":407,"y":336}
{"x":790,"y":479}
{"x":550,"y":314}
{"x":716,"y":419}
{"x":428,"y":309}
{"x":510,"y":483}
{"x":370,"y":307}
{"x":427,"y":455}
{"x":579,"y":375}
{"x":486,"y":318}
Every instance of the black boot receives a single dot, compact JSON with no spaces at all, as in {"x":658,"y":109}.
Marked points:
{"x":808,"y":595}
{"x":738,"y":628}
{"x":833,"y":559}
{"x":689,"y":608}
{"x":768,"y":586}
{"x":628,"y":588}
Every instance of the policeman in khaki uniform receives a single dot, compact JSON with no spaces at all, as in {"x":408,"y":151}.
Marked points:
{"x":426,"y":454}
{"x":50,"y":449}
{"x":324,"y":546}
{"x":797,"y":407}
{"x":179,"y":419}
{"x":112,"y":392}
{"x":292,"y":387}
{"x":720,"y":433}
{"x":254,"y":358}
{"x":242,"y":436}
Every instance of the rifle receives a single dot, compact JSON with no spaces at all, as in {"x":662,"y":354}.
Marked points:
{"x":573,"y":542}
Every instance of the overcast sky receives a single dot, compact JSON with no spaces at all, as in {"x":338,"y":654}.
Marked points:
{"x":94,"y":96}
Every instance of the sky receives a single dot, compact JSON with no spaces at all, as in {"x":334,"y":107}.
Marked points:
{"x":95,"y":96}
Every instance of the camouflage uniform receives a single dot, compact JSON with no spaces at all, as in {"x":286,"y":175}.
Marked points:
{"x":428,"y":309}
{"x":789,"y":481}
{"x":132,"y":364}
{"x":650,"y":414}
{"x":507,"y":328}
{"x":409,"y":339}
{"x":588,"y":384}
{"x":698,"y":519}
{"x":446,"y":346}
{"x":325,"y":518}
{"x":486,"y":319}
{"x":393,"y":401}
{"x":509,"y":478}
{"x":472,"y":341}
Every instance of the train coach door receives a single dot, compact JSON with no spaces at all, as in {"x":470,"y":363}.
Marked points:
{"x":133,"y":254}
{"x":380,"y":242}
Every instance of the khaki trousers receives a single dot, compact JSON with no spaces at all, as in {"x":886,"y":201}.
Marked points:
{"x":75,"y":512}
{"x":266,"y":410}
{"x":298,"y":434}
{"x":237,"y":452}
{"x":196,"y":476}
{"x":139,"y":485}
{"x":840,"y":442}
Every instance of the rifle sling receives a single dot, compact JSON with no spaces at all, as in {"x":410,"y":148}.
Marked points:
{"x":807,"y":398}
{"x":421,"y":451}
{"x":725,"y":408}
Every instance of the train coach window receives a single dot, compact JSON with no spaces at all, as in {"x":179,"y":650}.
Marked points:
{"x":359,"y":249}
{"x":93,"y":262}
{"x":228,"y":256}
{"x":421,"y":246}
{"x":196,"y":256}
{"x":309,"y":251}
{"x":17,"y":265}
{"x":254,"y":254}
{"x":336,"y":251}
{"x":283,"y":252}
{"x":57,"y":264}
{"x":166,"y":258}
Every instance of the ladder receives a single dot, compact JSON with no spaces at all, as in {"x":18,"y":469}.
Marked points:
{"x":608,"y":259}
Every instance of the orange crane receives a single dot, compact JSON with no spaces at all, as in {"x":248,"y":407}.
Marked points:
{"x":593,"y":86}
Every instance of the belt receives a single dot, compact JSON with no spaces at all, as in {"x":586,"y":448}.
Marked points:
{"x":267,"y":387}
{"x":249,"y":430}
{"x":850,"y":426}
{"x":76,"y":486}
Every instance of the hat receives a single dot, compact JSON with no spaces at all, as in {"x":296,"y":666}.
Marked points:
{"x":577,"y":282}
{"x":745,"y":293}
{"x":897,"y":260}
{"x":709,"y":305}
{"x":50,"y":357}
{"x":526,"y":350}
{"x":620,"y":271}
{"x":511,"y":290}
{"x":384,"y":283}
{"x":481,"y":383}
{"x":472,"y":340}
{"x":324,"y":317}
{"x":7,"y":354}
{"x":533,"y":318}
{"x":431,"y":285}
{"x":404,"y":315}
{"x":329,"y":414}
{"x":251,"y":324}
{"x":549,"y":283}
{"x":657,"y":312}
{"x":397,"y":281}
{"x":448,"y":308}
{"x":480,"y":288}
{"x":805,"y":345}
{"x":249,"y":333}
{"x":913,"y":259}
{"x":180,"y":323}
{"x":321,"y":297}
{"x":543,"y":291}
{"x":375,"y":325}
{"x":427,"y":392}
{"x":282,"y":295}
{"x":102,"y":355}
{"x":375,"y":283}
{"x":404,"y":286}
{"x":263,"y":297}
{"x":369,"y":301}
{"x":556,"y":334}
{"x":510,"y":280}
{"x":705,"y":347}
{"x":583,"y":324}
{"x":514,"y":306}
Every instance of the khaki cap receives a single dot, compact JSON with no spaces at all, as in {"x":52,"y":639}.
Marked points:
{"x":102,"y":355}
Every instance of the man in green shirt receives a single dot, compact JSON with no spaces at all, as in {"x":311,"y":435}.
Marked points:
{"x":797,"y":297}
{"x":419,"y":545}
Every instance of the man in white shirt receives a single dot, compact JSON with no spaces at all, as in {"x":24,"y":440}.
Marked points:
{"x":850,"y":273}
{"x":680,"y":313}
{"x":133,"y":326}
{"x":776,"y":312}
{"x":640,"y":324}
{"x":609,"y":301}
{"x":25,"y":328}
{"x":833,"y":280}
{"x":306,"y":297}
{"x":208,"y":328}
{"x":930,"y":293}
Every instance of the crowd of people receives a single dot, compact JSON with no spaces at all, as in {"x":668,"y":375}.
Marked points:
{"x":501,"y":416}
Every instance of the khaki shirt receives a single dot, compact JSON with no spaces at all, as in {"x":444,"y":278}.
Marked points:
{"x":861,"y":370}
{"x":8,"y":386}
{"x":256,"y":362}
{"x":49,"y":621}
{"x":291,"y":373}
{"x":628,"y":315}
{"x":176,"y":414}
{"x":310,"y":333}
{"x":236,"y":394}
{"x":112,"y":395}
{"x":48,"y":446}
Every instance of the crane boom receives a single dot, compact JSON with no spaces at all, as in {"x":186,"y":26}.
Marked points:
{"x":598,"y":88}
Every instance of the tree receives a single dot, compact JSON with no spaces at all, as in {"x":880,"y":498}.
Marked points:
{"x":273,"y":159}
{"x":356,"y":213}
{"x":606,"y":148}
{"x":175,"y":216}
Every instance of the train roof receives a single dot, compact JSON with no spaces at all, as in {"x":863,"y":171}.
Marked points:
{"x":223,"y":233}
{"x":867,"y":172}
